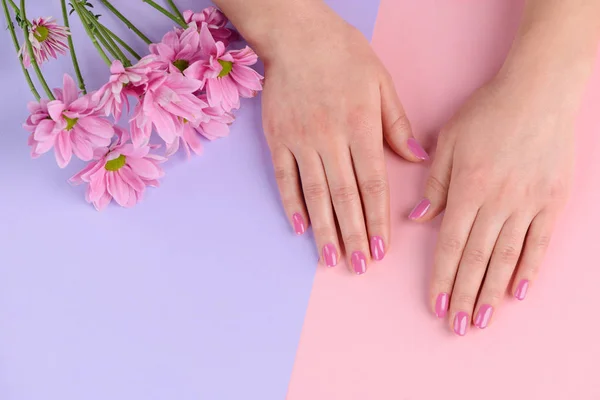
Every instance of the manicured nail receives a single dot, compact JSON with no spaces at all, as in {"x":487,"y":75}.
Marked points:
{"x":377,"y":248}
{"x":330,"y":255}
{"x":483,"y":316}
{"x":441,"y":305}
{"x":359,"y":262}
{"x":460,"y":323}
{"x":417,"y":149}
{"x":299,"y":226}
{"x":522,"y":289}
{"x":420,"y":209}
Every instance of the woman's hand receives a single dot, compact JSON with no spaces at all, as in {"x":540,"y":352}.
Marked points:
{"x":327,"y":105}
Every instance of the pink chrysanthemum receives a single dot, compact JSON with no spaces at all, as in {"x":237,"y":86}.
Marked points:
{"x":48,"y":39}
{"x":216,"y":22}
{"x":227,"y":74}
{"x":177,"y":51}
{"x":122,"y":83}
{"x":71,"y":126}
{"x":121,"y":172}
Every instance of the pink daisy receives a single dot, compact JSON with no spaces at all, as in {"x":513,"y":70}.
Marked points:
{"x":121,"y":172}
{"x":177,"y":50}
{"x":48,"y":39}
{"x":71,"y":126}
{"x":216,"y":22}
{"x":227,"y":74}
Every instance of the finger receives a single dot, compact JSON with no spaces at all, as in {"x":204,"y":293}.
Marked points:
{"x":536,"y":244}
{"x":348,"y":207}
{"x":502,"y":265}
{"x":288,"y":181}
{"x":452,"y":239}
{"x":396,"y":126}
{"x":369,"y":164}
{"x":438,"y":183}
{"x":318,"y":203}
{"x":472,"y":268}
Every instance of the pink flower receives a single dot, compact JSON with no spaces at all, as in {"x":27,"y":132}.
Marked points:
{"x":123,"y":82}
{"x":48,"y":39}
{"x":121,"y":172}
{"x":69,"y":124}
{"x":215,"y":21}
{"x":167,"y":103}
{"x":227,"y":74}
{"x":177,"y":50}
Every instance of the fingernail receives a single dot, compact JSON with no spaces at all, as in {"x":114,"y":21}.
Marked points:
{"x":460,"y":323}
{"x":522,"y":289}
{"x":420,"y":209}
{"x":377,"y":248}
{"x":483,"y":316}
{"x":417,"y":149}
{"x":359,"y":262}
{"x":441,"y":305}
{"x":330,"y":255}
{"x":299,"y":226}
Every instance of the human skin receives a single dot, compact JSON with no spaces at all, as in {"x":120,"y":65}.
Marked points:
{"x":503,"y":164}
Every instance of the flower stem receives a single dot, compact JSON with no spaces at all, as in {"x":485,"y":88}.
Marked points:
{"x":105,"y":38}
{"x":128,"y":23}
{"x":121,"y":42}
{"x":175,"y":9}
{"x":89,"y":32}
{"x":34,"y":62}
{"x":11,"y":28}
{"x":72,"y":48}
{"x":180,"y":22}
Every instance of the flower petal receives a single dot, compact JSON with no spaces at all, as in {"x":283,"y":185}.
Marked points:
{"x":70,"y":92}
{"x":117,"y":188}
{"x":144,"y":169}
{"x":131,"y":178}
{"x":62,"y":149}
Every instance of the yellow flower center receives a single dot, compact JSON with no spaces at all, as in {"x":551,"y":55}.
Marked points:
{"x":181,"y":64}
{"x":116,"y":164}
{"x":70,"y":122}
{"x":41,"y":33}
{"x":227,"y":67}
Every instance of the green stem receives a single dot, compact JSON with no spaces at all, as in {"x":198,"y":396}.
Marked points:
{"x":121,"y":42}
{"x":34,"y":62}
{"x":175,"y":9}
{"x":90,"y":33}
{"x":178,"y":21}
{"x":128,"y":23}
{"x":80,"y":80}
{"x":13,"y":34}
{"x":105,"y":38}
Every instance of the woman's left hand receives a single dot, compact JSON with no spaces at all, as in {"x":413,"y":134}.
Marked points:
{"x":502,"y":173}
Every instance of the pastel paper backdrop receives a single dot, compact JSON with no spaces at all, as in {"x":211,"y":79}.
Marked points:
{"x":374,"y":337}
{"x":197,"y":293}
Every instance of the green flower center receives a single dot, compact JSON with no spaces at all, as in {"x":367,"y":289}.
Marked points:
{"x":181,"y":64}
{"x":41,"y":33}
{"x":227,"y":67}
{"x":70,"y":122}
{"x":116,"y":164}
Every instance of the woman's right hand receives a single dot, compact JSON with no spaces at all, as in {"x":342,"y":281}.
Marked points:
{"x":327,"y":105}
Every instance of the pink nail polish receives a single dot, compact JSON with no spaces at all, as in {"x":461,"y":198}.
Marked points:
{"x":416,"y":148}
{"x":441,"y":305}
{"x":420,"y":209}
{"x":299,"y":226}
{"x":330,"y":255}
{"x":359,"y":262}
{"x":522,"y":289}
{"x":377,"y":248}
{"x":483,"y":316}
{"x":461,"y":321}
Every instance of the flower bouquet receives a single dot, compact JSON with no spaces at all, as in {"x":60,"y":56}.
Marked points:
{"x":186,"y":88}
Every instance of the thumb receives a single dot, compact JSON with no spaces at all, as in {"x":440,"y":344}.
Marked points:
{"x":438,"y":183}
{"x":396,"y":126}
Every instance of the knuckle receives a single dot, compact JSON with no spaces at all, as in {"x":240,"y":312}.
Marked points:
{"x":322,"y":231}
{"x":353,"y":240}
{"x":542,"y":242}
{"x":360,"y":119}
{"x":464,"y":300}
{"x":345,"y":194}
{"x":494,"y":295}
{"x":283,"y":175}
{"x":377,"y":187}
{"x":509,"y":255}
{"x":475,"y":257}
{"x":436,"y":185}
{"x":443,"y":284}
{"x":451,"y":245}
{"x":315,"y":191}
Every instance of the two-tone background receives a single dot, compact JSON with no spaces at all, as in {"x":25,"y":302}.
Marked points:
{"x":203,"y":292}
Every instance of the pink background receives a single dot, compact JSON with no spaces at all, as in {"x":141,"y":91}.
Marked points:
{"x":374,"y":337}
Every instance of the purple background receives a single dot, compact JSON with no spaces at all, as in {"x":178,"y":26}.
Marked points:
{"x":197,"y":293}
